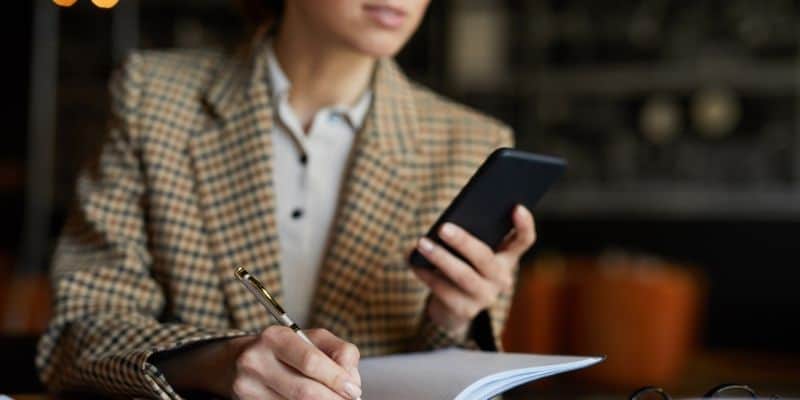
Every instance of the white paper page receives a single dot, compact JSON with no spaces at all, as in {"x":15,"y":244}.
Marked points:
{"x":493,"y":385}
{"x":446,"y":373}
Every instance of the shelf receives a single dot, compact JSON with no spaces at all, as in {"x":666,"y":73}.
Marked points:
{"x":774,"y":78}
{"x":764,"y":78}
{"x":673,"y":202}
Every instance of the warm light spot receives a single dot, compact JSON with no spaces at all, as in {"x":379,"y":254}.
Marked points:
{"x":105,"y":3}
{"x":64,"y":3}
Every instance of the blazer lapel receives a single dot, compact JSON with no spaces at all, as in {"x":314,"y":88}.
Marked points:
{"x":376,"y":207}
{"x":232,"y":161}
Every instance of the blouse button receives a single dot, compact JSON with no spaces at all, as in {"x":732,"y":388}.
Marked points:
{"x":297,"y":213}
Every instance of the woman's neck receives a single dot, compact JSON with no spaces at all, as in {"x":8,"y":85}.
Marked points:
{"x":321,"y":73}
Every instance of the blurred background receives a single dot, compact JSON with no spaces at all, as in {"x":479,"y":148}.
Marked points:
{"x":671,"y":245}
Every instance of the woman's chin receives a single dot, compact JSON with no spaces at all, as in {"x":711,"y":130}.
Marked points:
{"x":379,"y":45}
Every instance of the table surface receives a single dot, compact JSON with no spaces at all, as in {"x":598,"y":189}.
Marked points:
{"x":768,"y":374}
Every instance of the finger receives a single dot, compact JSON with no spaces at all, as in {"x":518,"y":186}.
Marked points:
{"x":273,"y":395}
{"x":460,"y":273}
{"x":524,"y":232}
{"x":478,"y":253}
{"x":250,"y":382}
{"x":356,"y":375}
{"x":342,"y":352}
{"x":457,"y":302}
{"x":291,"y":384}
{"x":311,"y":362}
{"x":248,"y":386}
{"x":507,"y":239}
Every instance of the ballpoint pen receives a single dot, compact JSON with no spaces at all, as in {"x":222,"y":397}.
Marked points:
{"x":262,"y":294}
{"x":265,"y":298}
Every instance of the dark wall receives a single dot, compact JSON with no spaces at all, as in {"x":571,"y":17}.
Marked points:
{"x":15,"y":83}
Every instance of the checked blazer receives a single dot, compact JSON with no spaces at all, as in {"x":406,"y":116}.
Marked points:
{"x":182,"y":192}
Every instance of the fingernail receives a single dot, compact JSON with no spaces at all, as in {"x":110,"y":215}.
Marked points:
{"x":448,"y":230}
{"x":425,"y":245}
{"x":352,"y":390}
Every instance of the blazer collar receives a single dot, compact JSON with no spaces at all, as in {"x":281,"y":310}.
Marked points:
{"x":394,"y":114}
{"x":393,"y":109}
{"x":237,"y":73}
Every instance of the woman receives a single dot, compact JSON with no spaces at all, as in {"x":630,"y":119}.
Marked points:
{"x":311,"y":160}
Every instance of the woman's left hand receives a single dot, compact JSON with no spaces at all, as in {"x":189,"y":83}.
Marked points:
{"x":460,"y":290}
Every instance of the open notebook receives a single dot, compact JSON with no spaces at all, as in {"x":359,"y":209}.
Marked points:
{"x":456,"y":374}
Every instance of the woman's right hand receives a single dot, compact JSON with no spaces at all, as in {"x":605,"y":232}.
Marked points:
{"x":276,"y":364}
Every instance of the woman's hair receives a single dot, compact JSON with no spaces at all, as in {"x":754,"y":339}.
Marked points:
{"x":261,"y":15}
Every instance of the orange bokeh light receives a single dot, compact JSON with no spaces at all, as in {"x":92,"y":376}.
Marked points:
{"x":64,"y":3}
{"x":105,"y":3}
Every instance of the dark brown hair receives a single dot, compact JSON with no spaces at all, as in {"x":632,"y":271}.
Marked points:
{"x":261,"y":15}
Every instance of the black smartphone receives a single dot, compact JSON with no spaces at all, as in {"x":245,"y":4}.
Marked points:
{"x":483,"y":207}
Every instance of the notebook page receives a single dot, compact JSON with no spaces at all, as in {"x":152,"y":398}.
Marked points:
{"x":444,"y":374}
{"x":498,"y":383}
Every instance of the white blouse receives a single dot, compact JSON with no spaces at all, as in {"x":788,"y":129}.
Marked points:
{"x":308,"y":170}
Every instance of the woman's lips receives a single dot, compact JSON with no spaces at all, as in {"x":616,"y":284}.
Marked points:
{"x":385,"y":16}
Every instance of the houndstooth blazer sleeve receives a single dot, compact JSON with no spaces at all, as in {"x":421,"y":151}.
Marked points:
{"x":105,"y":324}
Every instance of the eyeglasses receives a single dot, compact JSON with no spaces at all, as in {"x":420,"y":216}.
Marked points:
{"x":726,"y":388}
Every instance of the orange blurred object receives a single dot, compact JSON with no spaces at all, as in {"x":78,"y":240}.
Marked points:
{"x":64,"y":3}
{"x":24,"y":299}
{"x":105,"y":3}
{"x":25,"y":305}
{"x":537,"y":318}
{"x":642,"y":314}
